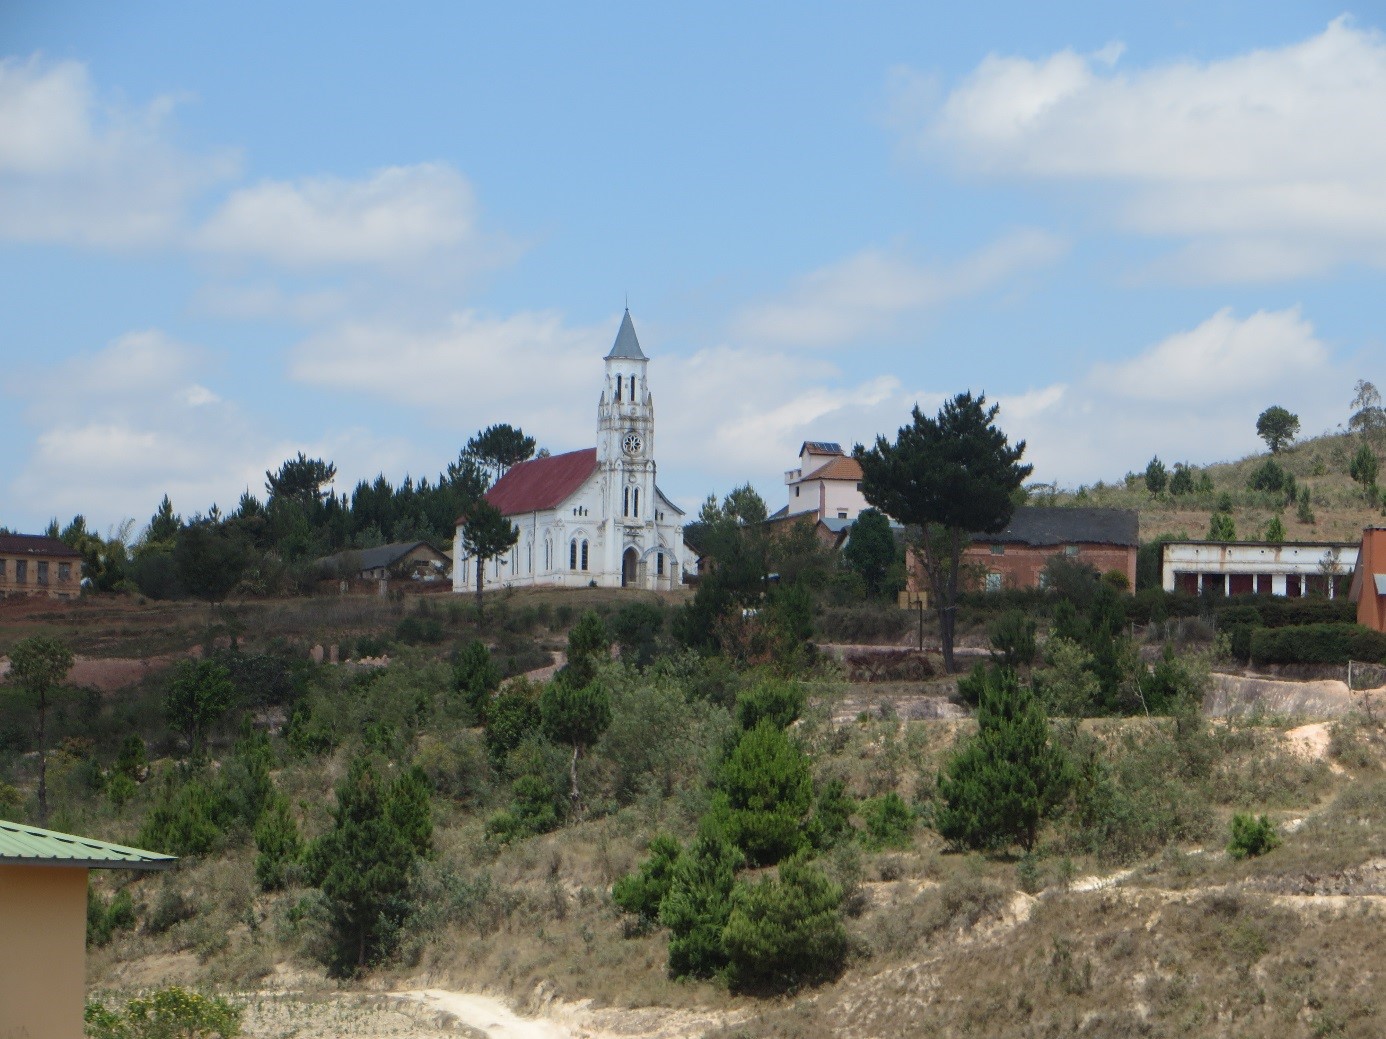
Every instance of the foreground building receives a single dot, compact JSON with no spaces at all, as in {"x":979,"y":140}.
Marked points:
{"x":595,"y":516}
{"x":33,"y":564}
{"x":825,"y":486}
{"x":1368,"y":588}
{"x":1292,"y":569}
{"x":43,"y":925}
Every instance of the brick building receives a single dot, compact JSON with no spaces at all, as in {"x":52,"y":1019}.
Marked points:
{"x":32,"y":564}
{"x":1106,"y":539}
{"x":1369,"y":579}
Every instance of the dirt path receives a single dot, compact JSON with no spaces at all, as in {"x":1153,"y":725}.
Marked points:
{"x":489,"y":1016}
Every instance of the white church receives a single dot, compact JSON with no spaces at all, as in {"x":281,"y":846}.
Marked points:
{"x":595,"y":516}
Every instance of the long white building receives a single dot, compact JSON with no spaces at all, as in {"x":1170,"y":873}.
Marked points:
{"x":1258,"y":567}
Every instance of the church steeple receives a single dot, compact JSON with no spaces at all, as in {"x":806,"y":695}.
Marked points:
{"x":627,"y":346}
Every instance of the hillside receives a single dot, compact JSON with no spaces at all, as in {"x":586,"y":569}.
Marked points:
{"x":1340,"y":509}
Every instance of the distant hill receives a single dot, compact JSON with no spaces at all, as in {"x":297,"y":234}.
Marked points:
{"x":1340,"y":509}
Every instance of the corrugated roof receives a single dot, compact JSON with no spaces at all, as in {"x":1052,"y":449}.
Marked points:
{"x":627,"y":345}
{"x":30,"y":846}
{"x":1054,"y":525}
{"x":843,"y":467}
{"x":542,"y":483}
{"x":820,"y":447}
{"x":36,"y":545}
{"x":373,"y":558}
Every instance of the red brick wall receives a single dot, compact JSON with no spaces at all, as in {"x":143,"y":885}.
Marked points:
{"x":1020,"y":565}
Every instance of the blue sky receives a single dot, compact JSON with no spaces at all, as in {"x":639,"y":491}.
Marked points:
{"x":230,"y":233}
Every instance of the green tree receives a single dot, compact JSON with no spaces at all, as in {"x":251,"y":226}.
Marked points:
{"x":1277,"y":427}
{"x":486,"y":535}
{"x":1008,"y":777}
{"x":1368,"y":417}
{"x":163,"y":528}
{"x":199,"y":693}
{"x":698,"y":904}
{"x":1012,"y":637}
{"x":576,"y":716}
{"x":1156,"y":476}
{"x":300,"y":480}
{"x":475,"y":677}
{"x":589,"y":646}
{"x":511,"y":717}
{"x":636,"y":627}
{"x":1181,"y":482}
{"x":38,"y":664}
{"x":764,"y":791}
{"x":362,"y":866}
{"x":1221,"y":527}
{"x":950,"y":476}
{"x":209,"y":559}
{"x":787,"y":931}
{"x":1268,"y":476}
{"x":1363,"y":467}
{"x":278,"y":845}
{"x":497,"y":448}
{"x":780,"y":700}
{"x":870,"y":549}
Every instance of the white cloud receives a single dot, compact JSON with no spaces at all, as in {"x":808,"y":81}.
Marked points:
{"x":76,"y":170}
{"x":402,"y":214}
{"x":868,"y":291}
{"x":1194,"y":396}
{"x":1274,"y":150}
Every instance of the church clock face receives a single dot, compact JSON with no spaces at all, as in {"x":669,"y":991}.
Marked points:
{"x":631,"y":443}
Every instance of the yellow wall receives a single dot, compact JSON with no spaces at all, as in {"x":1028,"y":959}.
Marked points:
{"x":43,"y":945}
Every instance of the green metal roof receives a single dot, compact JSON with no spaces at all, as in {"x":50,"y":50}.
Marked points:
{"x":31,"y":846}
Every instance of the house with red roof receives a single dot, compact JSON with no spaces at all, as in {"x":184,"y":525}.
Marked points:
{"x":826,"y":485}
{"x":593,"y":516}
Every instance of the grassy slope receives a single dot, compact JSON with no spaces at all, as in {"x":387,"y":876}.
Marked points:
{"x":1321,"y":464}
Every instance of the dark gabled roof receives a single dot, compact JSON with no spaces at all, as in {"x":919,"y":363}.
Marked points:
{"x":541,"y":483}
{"x":36,"y":545}
{"x":627,"y":345}
{"x":1054,"y":525}
{"x":374,"y":558}
{"x":22,"y":845}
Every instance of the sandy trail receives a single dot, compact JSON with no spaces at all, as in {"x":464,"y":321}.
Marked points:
{"x":487,"y":1015}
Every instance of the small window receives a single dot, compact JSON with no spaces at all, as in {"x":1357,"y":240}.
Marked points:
{"x":64,"y":571}
{"x":1070,"y":550}
{"x":858,"y":485}
{"x":841,"y":513}
{"x":998,"y":550}
{"x":659,"y":564}
{"x":21,"y":571}
{"x":572,"y":556}
{"x":625,"y":502}
{"x":3,"y":563}
{"x":43,"y":572}
{"x":993,"y":582}
{"x":584,"y":555}
{"x":618,"y":389}
{"x":635,"y":502}
{"x":796,"y":492}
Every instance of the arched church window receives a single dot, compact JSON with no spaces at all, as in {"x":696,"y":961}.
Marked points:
{"x":584,"y":555}
{"x":659,"y":564}
{"x":572,"y":555}
{"x":548,"y":554}
{"x":635,"y":502}
{"x":625,"y":501}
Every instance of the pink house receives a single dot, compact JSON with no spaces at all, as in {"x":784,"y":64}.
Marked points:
{"x":827,"y":484}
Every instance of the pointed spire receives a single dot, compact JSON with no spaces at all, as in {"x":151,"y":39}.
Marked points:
{"x":626,"y":345}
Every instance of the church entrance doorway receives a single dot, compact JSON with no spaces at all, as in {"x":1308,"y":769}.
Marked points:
{"x":630,"y":567}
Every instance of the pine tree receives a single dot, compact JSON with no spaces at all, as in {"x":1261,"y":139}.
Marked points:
{"x":475,"y":677}
{"x":362,"y":866}
{"x":277,"y":843}
{"x":785,"y":931}
{"x":764,"y":793}
{"x":1006,"y":778}
{"x":577,"y":717}
{"x":697,"y":906}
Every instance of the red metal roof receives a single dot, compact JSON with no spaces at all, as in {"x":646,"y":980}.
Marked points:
{"x":542,"y":483}
{"x":36,"y":545}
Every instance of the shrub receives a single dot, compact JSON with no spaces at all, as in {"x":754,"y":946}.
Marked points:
{"x":166,"y":1014}
{"x":642,"y":892}
{"x":636,"y":628}
{"x":1269,"y":476}
{"x":1012,"y":638}
{"x":184,"y":821}
{"x":785,"y":932}
{"x":105,"y":918}
{"x":1317,"y":644}
{"x":779,"y":700}
{"x":474,"y":678}
{"x":278,"y":845}
{"x":511,"y":717}
{"x":1251,"y":836}
{"x":889,"y":822}
{"x":832,"y":815}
